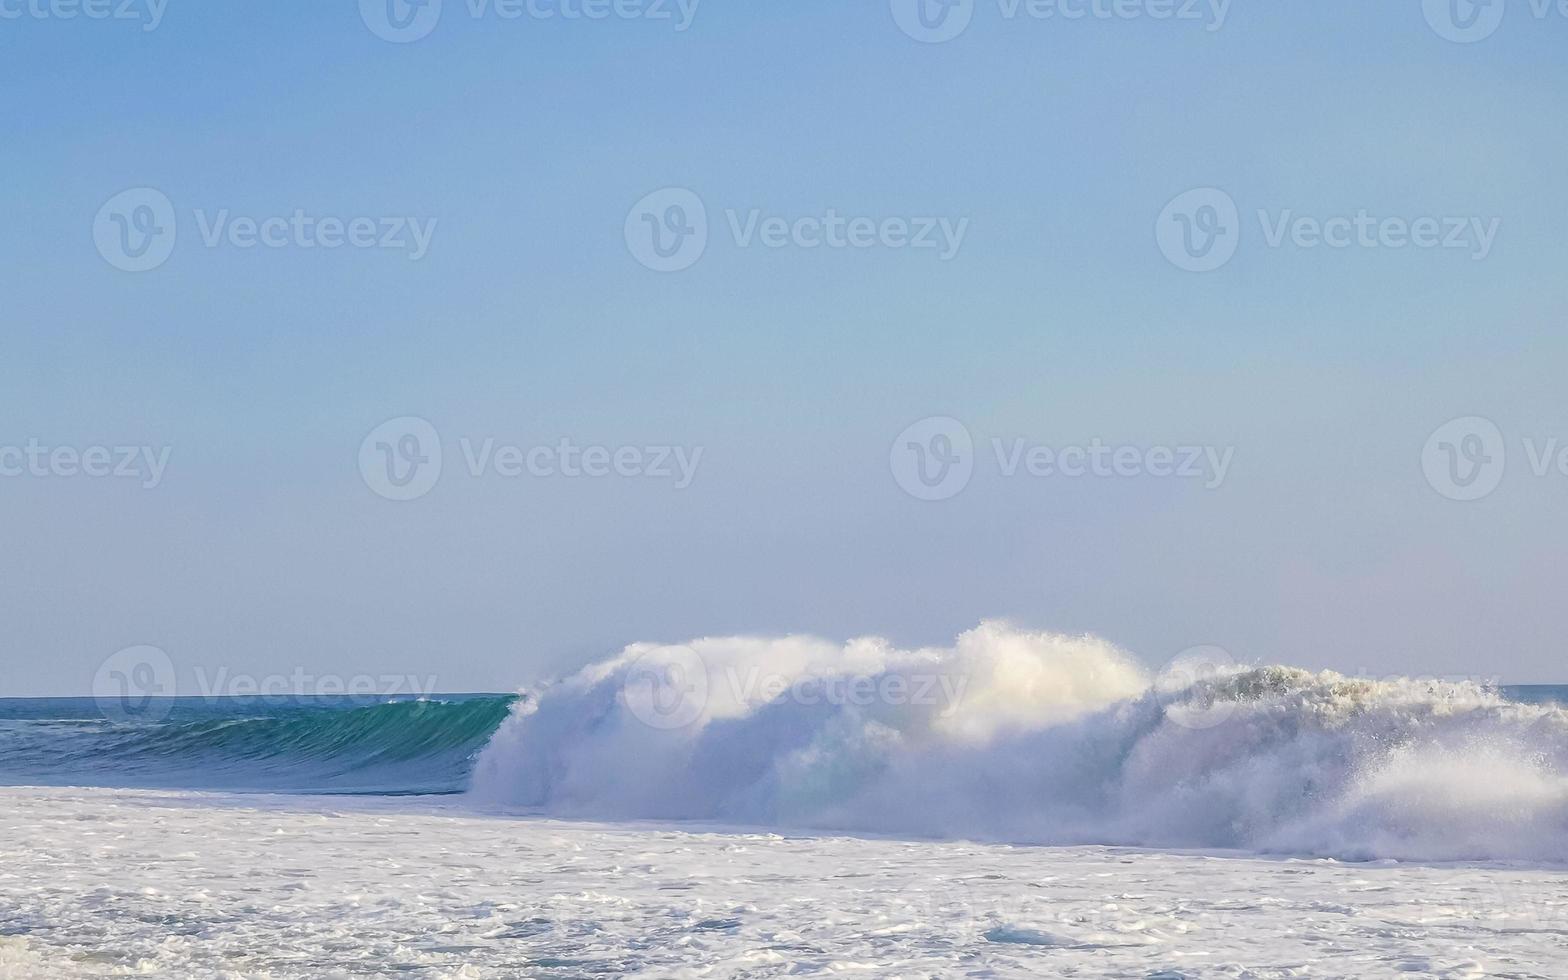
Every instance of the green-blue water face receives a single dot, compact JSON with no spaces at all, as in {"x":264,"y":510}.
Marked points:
{"x":294,"y":744}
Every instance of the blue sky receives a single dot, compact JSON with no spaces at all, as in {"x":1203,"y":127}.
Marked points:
{"x":1058,"y":322}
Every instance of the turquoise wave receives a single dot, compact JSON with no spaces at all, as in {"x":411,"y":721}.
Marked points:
{"x":297,"y":745}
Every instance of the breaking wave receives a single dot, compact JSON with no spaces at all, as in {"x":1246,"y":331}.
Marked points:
{"x":283,"y":745}
{"x":1033,"y":737}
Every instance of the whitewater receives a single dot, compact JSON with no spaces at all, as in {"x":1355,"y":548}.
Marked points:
{"x":1033,"y":737}
{"x":1016,"y":804}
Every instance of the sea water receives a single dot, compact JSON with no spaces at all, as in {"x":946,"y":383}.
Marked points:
{"x":264,"y":744}
{"x":1016,"y":804}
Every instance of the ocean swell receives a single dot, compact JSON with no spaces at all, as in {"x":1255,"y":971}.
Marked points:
{"x":260,"y":744}
{"x":1033,"y":737}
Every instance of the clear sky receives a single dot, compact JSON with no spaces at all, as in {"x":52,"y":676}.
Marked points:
{"x":1052,"y":143}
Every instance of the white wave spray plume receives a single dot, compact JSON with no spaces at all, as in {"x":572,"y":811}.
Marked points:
{"x":1034,"y":737}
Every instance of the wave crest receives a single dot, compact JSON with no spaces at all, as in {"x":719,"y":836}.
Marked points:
{"x":1035,"y":737}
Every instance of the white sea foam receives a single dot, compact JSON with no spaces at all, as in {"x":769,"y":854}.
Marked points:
{"x":114,"y":883}
{"x":1040,"y":738}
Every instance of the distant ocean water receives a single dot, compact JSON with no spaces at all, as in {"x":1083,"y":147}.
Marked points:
{"x":1044,"y":739}
{"x":402,"y":746}
{"x":1538,"y":694}
{"x":294,"y":745}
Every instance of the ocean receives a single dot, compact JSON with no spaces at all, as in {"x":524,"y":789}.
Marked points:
{"x":1552,"y":694}
{"x":322,"y":745}
{"x":1020,"y":804}
{"x":406,"y":746}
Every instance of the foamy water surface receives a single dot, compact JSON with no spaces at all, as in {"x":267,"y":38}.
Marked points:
{"x":97,"y":883}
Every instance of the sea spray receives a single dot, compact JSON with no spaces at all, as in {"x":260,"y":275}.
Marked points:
{"x":1055,"y":740}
